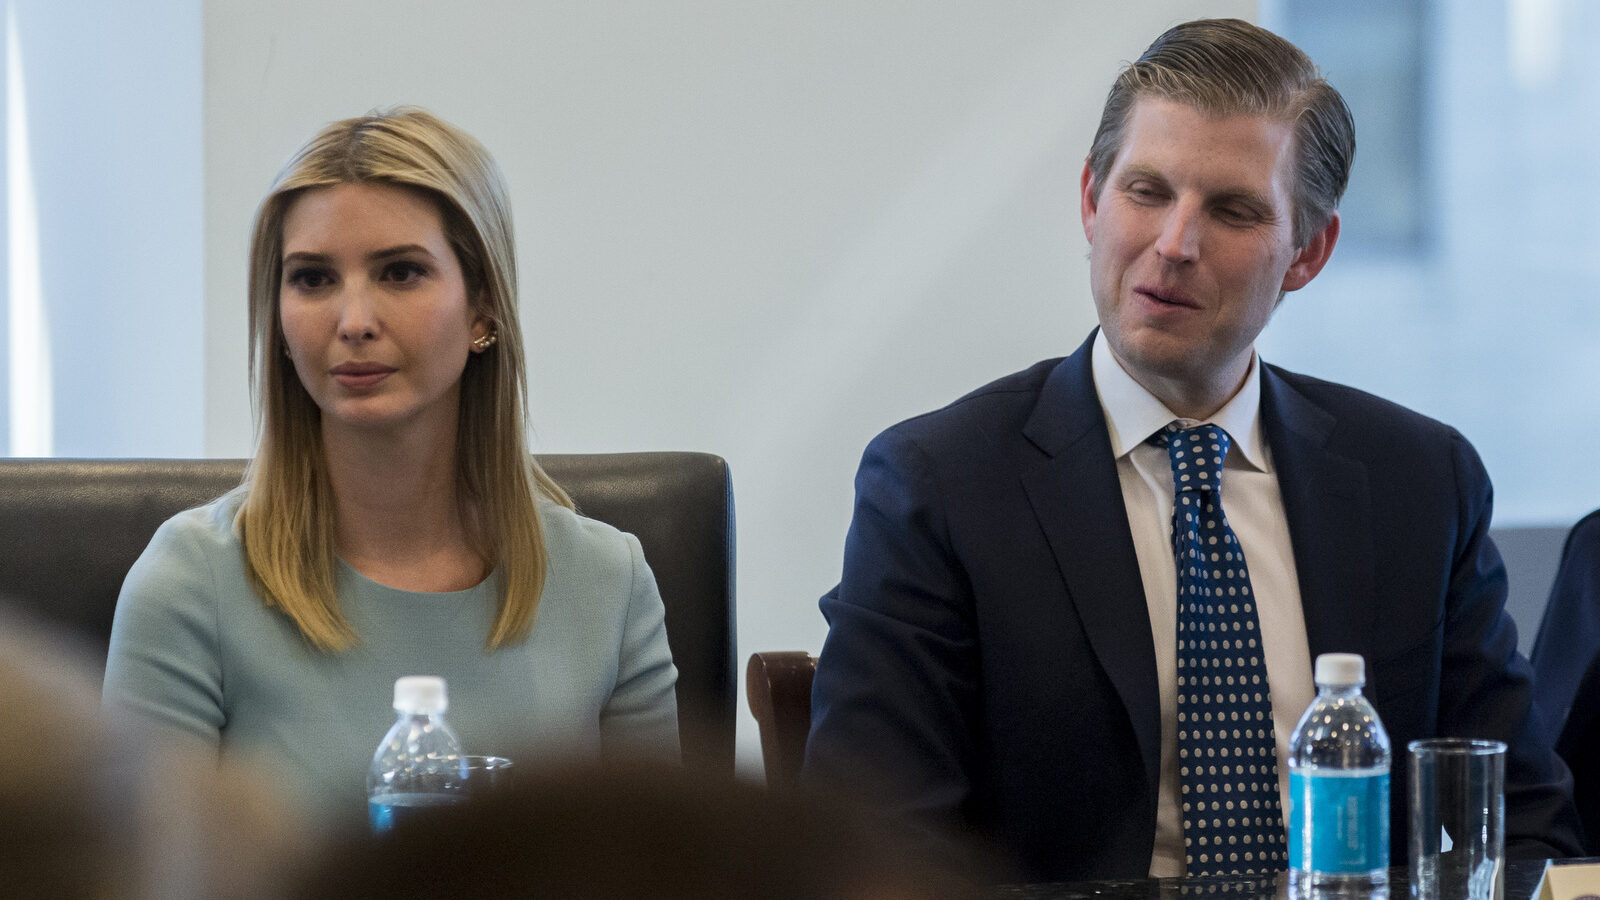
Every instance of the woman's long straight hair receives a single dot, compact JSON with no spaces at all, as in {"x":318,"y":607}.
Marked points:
{"x":287,"y":519}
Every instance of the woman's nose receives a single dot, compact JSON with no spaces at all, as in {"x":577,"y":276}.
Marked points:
{"x":358,"y":319}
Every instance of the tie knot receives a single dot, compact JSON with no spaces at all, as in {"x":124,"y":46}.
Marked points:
{"x":1196,"y":455}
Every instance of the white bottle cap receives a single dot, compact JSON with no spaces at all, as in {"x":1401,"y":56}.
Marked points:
{"x":420,"y":694}
{"x":1341,"y":669}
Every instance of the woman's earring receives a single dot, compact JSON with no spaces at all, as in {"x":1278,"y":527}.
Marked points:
{"x":483,"y":343}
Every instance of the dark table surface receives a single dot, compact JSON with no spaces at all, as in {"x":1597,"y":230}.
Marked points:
{"x":1522,"y":879}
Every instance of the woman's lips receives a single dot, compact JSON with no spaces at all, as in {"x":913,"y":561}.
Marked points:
{"x":360,"y":375}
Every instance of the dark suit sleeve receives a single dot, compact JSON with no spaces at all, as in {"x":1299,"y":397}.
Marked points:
{"x":1569,"y":633}
{"x":1486,"y":685}
{"x":893,"y":703}
{"x":1580,"y":747}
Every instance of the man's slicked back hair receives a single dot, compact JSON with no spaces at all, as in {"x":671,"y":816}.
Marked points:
{"x":1225,"y":67}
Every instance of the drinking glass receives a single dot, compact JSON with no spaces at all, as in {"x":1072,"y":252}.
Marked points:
{"x":485,"y":774}
{"x":1458,"y":812}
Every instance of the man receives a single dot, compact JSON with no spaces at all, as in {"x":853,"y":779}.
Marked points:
{"x":1007,"y":647}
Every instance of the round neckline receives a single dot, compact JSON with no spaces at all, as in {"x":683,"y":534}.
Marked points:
{"x":373,"y":583}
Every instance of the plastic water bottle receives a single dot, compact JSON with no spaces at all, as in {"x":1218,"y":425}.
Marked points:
{"x":1339,"y":789}
{"x":418,"y":764}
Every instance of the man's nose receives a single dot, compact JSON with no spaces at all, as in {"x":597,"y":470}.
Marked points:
{"x":1179,"y":240}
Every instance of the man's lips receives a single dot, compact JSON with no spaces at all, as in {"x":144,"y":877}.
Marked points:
{"x":360,"y":374}
{"x":1167,"y":296}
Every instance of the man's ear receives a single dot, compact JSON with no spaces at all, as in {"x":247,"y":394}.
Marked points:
{"x":1087,"y":203}
{"x":1312,"y":257}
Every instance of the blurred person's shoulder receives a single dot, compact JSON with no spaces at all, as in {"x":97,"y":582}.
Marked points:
{"x":179,"y":826}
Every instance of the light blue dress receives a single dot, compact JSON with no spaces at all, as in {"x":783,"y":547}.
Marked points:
{"x":194,"y":650}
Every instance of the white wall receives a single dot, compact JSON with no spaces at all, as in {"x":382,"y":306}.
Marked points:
{"x":764,"y":230}
{"x":101,"y":345}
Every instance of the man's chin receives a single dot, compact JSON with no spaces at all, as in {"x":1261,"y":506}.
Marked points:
{"x":1157,"y":355}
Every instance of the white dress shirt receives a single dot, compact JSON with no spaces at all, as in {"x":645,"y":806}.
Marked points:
{"x":1254,"y":507}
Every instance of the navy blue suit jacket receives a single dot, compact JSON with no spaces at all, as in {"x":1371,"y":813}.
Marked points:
{"x":1569,"y":634}
{"x":989,"y":666}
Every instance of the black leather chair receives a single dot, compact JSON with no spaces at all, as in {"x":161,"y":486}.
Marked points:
{"x":71,"y":528}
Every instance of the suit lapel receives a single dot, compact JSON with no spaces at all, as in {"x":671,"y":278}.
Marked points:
{"x":1077,"y":499}
{"x":1329,"y":509}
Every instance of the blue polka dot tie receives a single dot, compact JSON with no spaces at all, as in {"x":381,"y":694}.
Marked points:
{"x":1227,"y":760}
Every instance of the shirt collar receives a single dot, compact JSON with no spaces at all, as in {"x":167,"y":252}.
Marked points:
{"x":1133,"y":413}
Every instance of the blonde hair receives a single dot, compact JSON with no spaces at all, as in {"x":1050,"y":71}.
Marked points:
{"x":287,"y":520}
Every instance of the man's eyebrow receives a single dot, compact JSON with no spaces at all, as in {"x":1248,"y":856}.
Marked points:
{"x":1138,"y":172}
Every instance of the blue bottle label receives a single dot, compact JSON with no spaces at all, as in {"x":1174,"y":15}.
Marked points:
{"x":1339,"y":821}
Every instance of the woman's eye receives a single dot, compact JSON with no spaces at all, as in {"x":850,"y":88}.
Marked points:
{"x":404,"y":272}
{"x":307,"y":279}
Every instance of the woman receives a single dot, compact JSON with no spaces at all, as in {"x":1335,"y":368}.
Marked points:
{"x":392,"y":521}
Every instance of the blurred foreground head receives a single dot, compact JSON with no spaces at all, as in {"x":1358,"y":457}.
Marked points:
{"x":639,"y":832}
{"x":91,"y":808}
